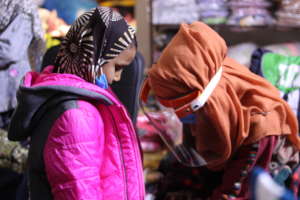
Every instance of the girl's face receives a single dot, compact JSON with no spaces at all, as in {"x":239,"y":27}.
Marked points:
{"x":113,"y":69}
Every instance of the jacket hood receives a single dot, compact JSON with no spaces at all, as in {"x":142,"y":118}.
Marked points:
{"x":42,"y":91}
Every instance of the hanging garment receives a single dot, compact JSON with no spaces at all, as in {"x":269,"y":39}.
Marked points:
{"x":14,"y":61}
{"x":21,"y":49}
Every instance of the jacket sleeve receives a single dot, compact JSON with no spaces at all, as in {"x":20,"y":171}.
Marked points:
{"x":73,"y":154}
{"x":15,"y":40}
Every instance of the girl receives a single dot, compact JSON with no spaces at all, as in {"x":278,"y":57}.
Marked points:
{"x":237,"y":120}
{"x":82,"y":142}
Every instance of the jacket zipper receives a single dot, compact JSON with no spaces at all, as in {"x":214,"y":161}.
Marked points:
{"x":137,"y":155}
{"x":121,"y":153}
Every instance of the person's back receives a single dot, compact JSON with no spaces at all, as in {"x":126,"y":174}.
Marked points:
{"x":83,"y":144}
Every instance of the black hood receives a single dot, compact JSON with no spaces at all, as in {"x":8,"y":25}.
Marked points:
{"x":34,"y":102}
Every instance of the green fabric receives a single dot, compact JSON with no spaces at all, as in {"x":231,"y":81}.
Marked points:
{"x":282,"y":71}
{"x":215,"y":20}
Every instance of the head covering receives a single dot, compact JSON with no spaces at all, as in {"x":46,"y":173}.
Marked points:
{"x":242,"y":109}
{"x":96,"y":37}
{"x":9,"y":9}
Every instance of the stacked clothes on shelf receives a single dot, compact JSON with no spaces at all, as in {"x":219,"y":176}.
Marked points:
{"x":174,"y":11}
{"x":289,"y":13}
{"x":250,"y":13}
{"x":213,"y":11}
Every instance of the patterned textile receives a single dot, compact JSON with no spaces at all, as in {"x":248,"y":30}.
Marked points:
{"x":9,"y":9}
{"x":285,"y":159}
{"x":97,"y":36}
{"x":13,"y":155}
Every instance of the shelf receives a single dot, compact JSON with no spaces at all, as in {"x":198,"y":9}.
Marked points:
{"x":261,"y":35}
{"x":233,"y":27}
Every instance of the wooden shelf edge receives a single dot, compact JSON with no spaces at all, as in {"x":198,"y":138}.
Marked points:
{"x":234,"y":28}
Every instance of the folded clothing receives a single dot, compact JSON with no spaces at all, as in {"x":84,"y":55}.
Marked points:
{"x":174,"y":11}
{"x":213,"y":11}
{"x":250,"y":13}
{"x":289,"y":13}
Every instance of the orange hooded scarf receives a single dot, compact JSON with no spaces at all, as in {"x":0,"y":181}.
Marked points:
{"x":242,"y":109}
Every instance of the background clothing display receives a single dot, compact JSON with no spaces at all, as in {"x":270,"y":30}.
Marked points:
{"x":9,"y":10}
{"x":289,"y":13}
{"x":174,"y":11}
{"x":14,"y":59}
{"x":250,"y":13}
{"x":69,"y":11}
{"x":213,"y":11}
{"x":21,"y":49}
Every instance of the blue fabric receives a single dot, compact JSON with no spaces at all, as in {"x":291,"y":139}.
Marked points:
{"x":101,"y":81}
{"x":256,"y":182}
{"x":283,"y":175}
{"x":69,"y":11}
{"x":190,"y":119}
{"x":256,"y":59}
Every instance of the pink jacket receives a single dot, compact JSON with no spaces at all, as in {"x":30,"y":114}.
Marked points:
{"x":92,"y":151}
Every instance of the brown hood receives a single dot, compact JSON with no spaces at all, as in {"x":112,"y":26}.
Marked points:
{"x":242,"y":109}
